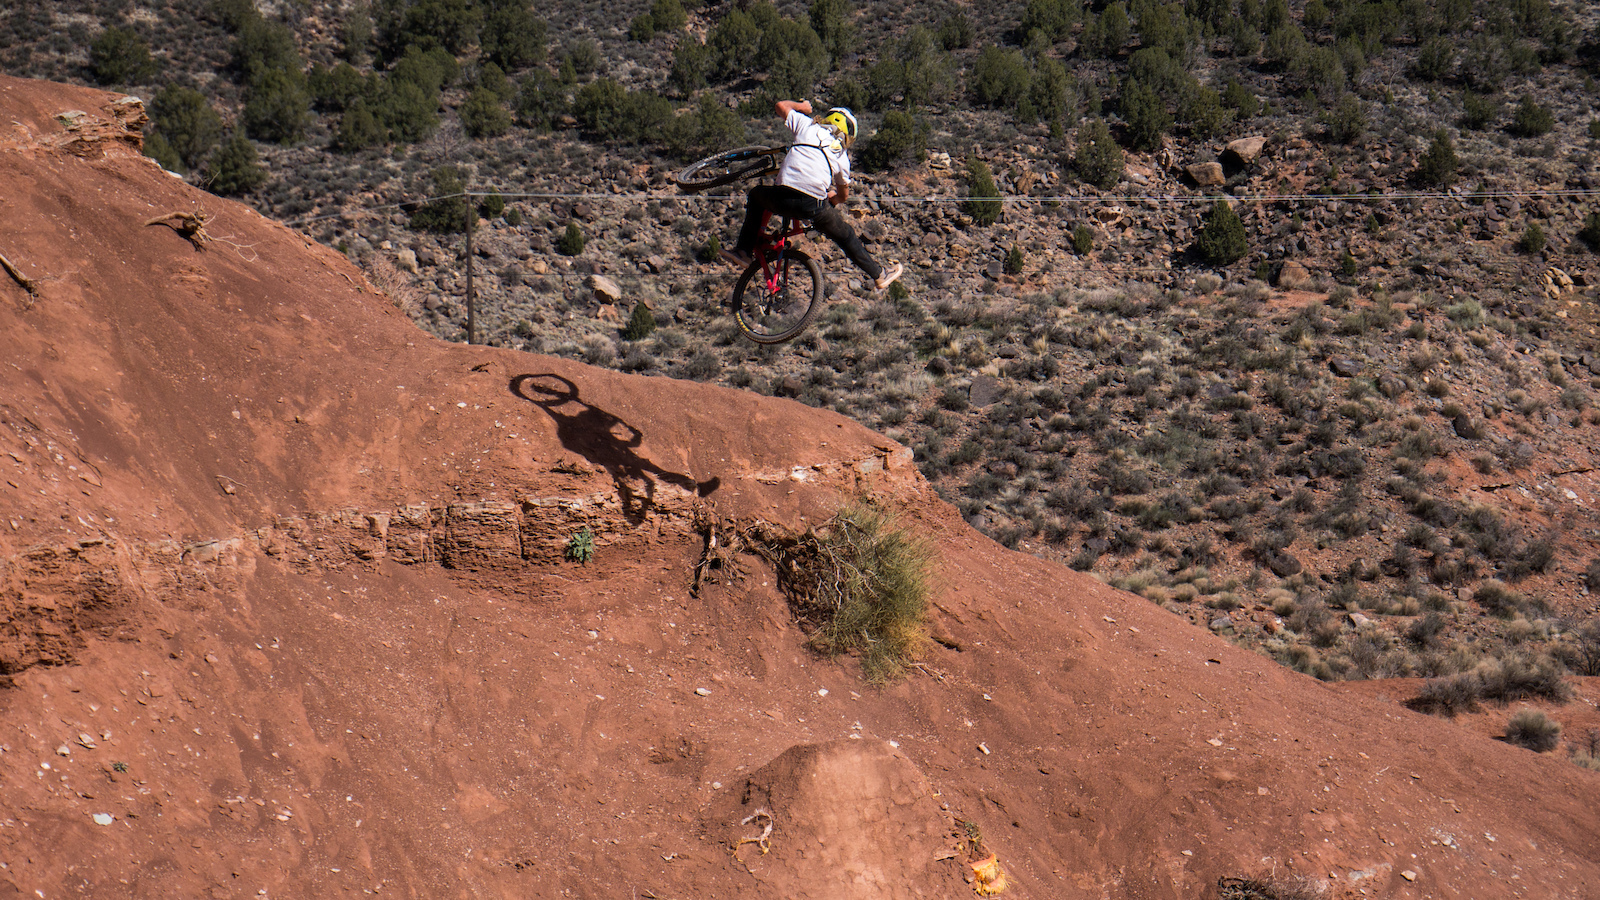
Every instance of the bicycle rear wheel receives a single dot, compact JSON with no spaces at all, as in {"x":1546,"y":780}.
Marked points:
{"x":771,"y":313}
{"x":726,"y":168}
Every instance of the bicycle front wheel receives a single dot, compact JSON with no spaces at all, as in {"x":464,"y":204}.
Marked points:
{"x":776,"y":308}
{"x":725,"y":168}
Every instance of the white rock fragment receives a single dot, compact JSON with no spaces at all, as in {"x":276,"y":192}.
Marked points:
{"x":104,"y":818}
{"x":704,"y":692}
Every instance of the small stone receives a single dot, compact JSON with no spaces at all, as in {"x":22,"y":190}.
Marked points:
{"x":1409,"y":875}
{"x":703,"y":692}
{"x":63,"y":750}
{"x":104,"y":818}
{"x":1214,"y":742}
{"x":1345,"y":367}
{"x":985,"y":390}
{"x":86,"y":740}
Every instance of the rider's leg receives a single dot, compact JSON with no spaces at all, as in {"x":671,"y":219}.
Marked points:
{"x":831,"y":223}
{"x":756,"y":203}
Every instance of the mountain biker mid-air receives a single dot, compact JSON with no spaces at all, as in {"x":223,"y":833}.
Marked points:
{"x":814,"y":180}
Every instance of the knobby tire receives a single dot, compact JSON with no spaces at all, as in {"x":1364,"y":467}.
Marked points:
{"x":773,"y":318}
{"x":725,"y":168}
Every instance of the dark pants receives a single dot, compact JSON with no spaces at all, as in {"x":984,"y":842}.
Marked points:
{"x":792,"y":204}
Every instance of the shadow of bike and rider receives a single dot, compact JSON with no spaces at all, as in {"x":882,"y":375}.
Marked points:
{"x":605,"y":440}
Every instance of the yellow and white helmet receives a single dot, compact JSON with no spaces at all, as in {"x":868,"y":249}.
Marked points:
{"x":844,"y":120}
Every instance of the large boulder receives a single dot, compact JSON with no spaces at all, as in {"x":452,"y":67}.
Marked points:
{"x":605,"y":290}
{"x":1245,"y":150}
{"x":1207,"y":174}
{"x":1293,"y":276}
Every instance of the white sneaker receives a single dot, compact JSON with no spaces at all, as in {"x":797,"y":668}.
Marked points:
{"x":889,"y":276}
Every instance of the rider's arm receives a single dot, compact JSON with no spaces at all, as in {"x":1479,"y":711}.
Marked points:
{"x":841,"y":189}
{"x":786,"y":106}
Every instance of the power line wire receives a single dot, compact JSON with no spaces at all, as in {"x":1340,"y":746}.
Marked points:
{"x":1115,"y":199}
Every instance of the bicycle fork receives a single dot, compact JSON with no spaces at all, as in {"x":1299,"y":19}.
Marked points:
{"x":774,"y":268}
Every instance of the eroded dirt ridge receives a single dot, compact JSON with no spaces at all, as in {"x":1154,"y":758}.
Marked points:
{"x":56,"y":597}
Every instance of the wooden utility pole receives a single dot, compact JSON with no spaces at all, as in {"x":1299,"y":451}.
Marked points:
{"x":472,"y":297}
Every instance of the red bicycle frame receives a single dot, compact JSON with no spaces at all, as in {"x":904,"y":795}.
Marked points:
{"x":775,"y":244}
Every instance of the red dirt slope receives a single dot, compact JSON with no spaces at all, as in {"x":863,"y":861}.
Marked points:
{"x":285,"y":612}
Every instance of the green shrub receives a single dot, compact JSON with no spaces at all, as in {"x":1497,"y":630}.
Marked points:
{"x":1000,"y":78}
{"x":1590,"y":232}
{"x":1146,"y":114}
{"x":1533,"y":730}
{"x":1098,"y":160}
{"x":1106,"y":34}
{"x":642,"y":29}
{"x":1222,"y":237}
{"x":277,"y":107}
{"x":864,"y":585}
{"x":1531,"y":119}
{"x":580,"y":546}
{"x":1015,"y":261}
{"x":452,"y":25}
{"x":1347,"y":264}
{"x":640,"y":324}
{"x":120,"y":56}
{"x":1082,"y":239}
{"x":335,"y":89}
{"x":1347,"y":120}
{"x":262,"y":48}
{"x":571,"y":241}
{"x":1204,"y":113}
{"x":900,"y":139}
{"x":188,"y":123}
{"x":484,"y":115}
{"x":157,"y":148}
{"x":983,"y":198}
{"x":359,"y":129}
{"x":1478,"y":111}
{"x":512,"y":38}
{"x":1436,"y":59}
{"x":1438,"y":164}
{"x":235,"y":167}
{"x":541,"y":100}
{"x":1052,"y":18}
{"x":1320,"y":71}
{"x":1238,"y":98}
{"x":670,"y":16}
{"x":955,"y":32}
{"x":1532,"y":240}
{"x":451,"y":212}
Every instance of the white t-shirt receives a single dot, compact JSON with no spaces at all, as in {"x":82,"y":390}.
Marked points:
{"x":807,"y":168}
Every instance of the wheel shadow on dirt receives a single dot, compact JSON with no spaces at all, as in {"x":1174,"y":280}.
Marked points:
{"x":605,"y":440}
